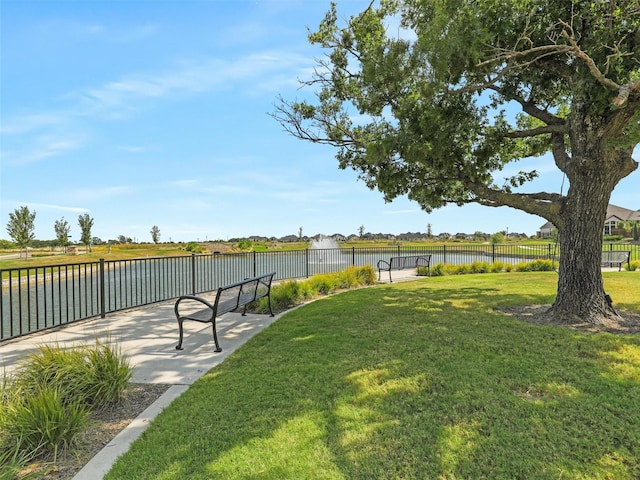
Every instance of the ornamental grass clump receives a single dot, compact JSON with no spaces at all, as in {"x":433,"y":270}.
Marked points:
{"x":43,"y":420}
{"x":95,"y":375}
{"x":632,"y":266}
{"x":48,"y":402}
{"x":290,"y":293}
{"x":535,"y":266}
{"x":479,"y":267}
{"x":442,"y":269}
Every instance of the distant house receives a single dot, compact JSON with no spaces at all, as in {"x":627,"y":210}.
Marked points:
{"x":615,"y":215}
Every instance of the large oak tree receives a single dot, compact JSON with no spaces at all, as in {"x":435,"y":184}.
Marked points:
{"x":437,"y":91}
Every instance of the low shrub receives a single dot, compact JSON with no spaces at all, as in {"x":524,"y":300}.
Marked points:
{"x":323,"y":284}
{"x":436,"y":271}
{"x":47,"y":403}
{"x":367,"y":275}
{"x":632,"y":266}
{"x":496,"y":267}
{"x":108,"y":372}
{"x":352,"y":277}
{"x":51,"y":366}
{"x":441,"y":269}
{"x":479,"y":267}
{"x":44,"y":420}
{"x":461,"y":269}
{"x":283,"y":296}
{"x":95,"y":375}
{"x":290,"y":293}
{"x":535,"y":266}
{"x":13,"y":462}
{"x":423,"y":271}
{"x":193,"y":247}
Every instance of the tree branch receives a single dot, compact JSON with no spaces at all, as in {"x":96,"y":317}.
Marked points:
{"x":544,"y":204}
{"x":533,"y":110}
{"x":581,"y":54}
{"x":512,"y":59}
{"x":538,"y":131}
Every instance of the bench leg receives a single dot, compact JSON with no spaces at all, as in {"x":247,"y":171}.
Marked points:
{"x":269,"y":300}
{"x":215,"y":337}
{"x":179,"y":346}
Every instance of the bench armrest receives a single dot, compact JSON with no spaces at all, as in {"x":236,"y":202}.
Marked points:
{"x":383,"y":265}
{"x":189,"y":300}
{"x":424,"y":260}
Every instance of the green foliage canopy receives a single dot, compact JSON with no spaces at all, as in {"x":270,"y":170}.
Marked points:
{"x":433,"y":99}
{"x":86,"y":223}
{"x":21,"y":226}
{"x":62,"y":229}
{"x":436,"y":81}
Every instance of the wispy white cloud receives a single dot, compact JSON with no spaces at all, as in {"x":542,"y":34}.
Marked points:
{"x":103,"y":31}
{"x":120,"y":98}
{"x":21,"y":124}
{"x":59,"y":208}
{"x":42,"y":147}
{"x":81,"y":195}
{"x":188,"y":77}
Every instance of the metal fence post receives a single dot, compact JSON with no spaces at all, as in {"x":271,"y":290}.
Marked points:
{"x":255,"y":265}
{"x":193,"y":274}
{"x":102,"y":293}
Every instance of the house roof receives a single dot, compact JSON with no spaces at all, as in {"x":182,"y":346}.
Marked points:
{"x":621,"y":213}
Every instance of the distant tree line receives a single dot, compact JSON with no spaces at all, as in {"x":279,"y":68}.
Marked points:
{"x":21,"y":226}
{"x":21,"y":230}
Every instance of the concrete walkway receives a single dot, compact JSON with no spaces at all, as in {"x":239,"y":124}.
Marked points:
{"x":148,"y":336}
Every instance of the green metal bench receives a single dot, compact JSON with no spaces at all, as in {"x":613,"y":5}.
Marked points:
{"x":229,"y":298}
{"x":402,"y":262}
{"x":611,"y":258}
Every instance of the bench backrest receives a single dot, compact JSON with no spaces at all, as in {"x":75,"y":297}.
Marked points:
{"x":408,"y":261}
{"x":230,"y":297}
{"x":615,"y":255}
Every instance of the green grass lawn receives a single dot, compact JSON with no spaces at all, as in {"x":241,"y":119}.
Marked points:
{"x":415,"y":380}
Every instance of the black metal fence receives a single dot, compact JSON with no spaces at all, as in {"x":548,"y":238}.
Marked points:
{"x":39,"y":298}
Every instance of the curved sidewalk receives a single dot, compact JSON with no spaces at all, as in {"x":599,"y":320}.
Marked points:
{"x":148,"y":336}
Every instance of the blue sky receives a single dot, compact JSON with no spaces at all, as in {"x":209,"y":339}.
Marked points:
{"x":144,"y":113}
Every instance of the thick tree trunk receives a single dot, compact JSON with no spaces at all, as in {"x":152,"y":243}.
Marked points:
{"x":581,"y":296}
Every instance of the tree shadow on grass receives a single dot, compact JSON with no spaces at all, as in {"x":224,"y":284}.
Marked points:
{"x":408,"y":381}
